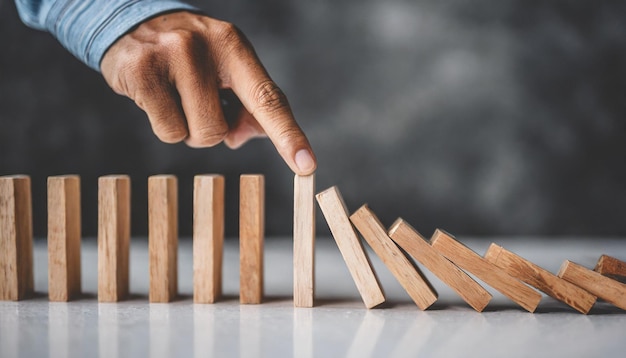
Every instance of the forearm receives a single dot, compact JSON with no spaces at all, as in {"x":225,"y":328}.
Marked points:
{"x":87,"y":28}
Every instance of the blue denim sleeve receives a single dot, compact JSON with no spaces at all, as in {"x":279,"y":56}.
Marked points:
{"x":87,"y":28}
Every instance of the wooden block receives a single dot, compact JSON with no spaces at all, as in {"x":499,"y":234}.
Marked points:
{"x":606,"y":288}
{"x":409,"y":276}
{"x":415,"y":245}
{"x":208,"y":237}
{"x":64,"y":237}
{"x":610,"y":266}
{"x":251,"y":237}
{"x":113,"y":237}
{"x":533,"y":275}
{"x":163,"y":237}
{"x":473,"y":263}
{"x":16,"y":238}
{"x":351,"y":248}
{"x":303,"y":240}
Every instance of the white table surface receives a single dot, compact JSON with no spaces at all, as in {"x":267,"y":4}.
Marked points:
{"x":338,"y":326}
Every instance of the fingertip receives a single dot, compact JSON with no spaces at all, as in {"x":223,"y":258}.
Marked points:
{"x":305,"y":162}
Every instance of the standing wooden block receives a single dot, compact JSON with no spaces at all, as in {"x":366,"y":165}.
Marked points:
{"x":473,"y":263}
{"x":528,"y":272}
{"x":336,"y":214}
{"x":113,"y":237}
{"x":208,"y":237}
{"x":409,"y":276}
{"x":63,"y":237}
{"x":303,"y":240}
{"x":16,"y":238}
{"x":606,"y":288}
{"x":610,"y":266}
{"x":163,"y":237}
{"x":251,"y":236}
{"x":415,"y":245}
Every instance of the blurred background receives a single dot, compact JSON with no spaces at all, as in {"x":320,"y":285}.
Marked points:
{"x":482,"y":118}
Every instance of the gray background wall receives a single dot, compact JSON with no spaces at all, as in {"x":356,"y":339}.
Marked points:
{"x":482,"y":117}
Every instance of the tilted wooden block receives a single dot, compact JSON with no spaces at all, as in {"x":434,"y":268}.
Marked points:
{"x":113,"y":237}
{"x":610,"y":266}
{"x":208,"y":237}
{"x":336,"y":214}
{"x":64,"y":224}
{"x":606,"y":288}
{"x":16,"y":238}
{"x":528,"y":272}
{"x":409,"y":276}
{"x":473,"y":263}
{"x":415,"y":245}
{"x":251,"y":237}
{"x":303,"y":240}
{"x":163,"y":237}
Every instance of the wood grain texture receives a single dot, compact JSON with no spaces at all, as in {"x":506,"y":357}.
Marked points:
{"x":208,"y":237}
{"x":64,"y":225}
{"x":113,"y":237}
{"x":303,"y":240}
{"x":163,"y":237}
{"x":605,"y":288}
{"x":16,"y":238}
{"x":543,"y":280}
{"x":251,"y":237}
{"x":610,"y":266}
{"x":350,"y":246}
{"x":409,"y":276}
{"x":411,"y":241}
{"x":495,"y":277}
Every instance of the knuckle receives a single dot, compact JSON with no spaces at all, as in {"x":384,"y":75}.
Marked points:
{"x":228,"y":39}
{"x":227,"y":32}
{"x":178,"y":39}
{"x":171,"y":135}
{"x":208,"y":136}
{"x":269,"y":97}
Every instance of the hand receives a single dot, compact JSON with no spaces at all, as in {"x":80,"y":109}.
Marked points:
{"x":174,"y":65}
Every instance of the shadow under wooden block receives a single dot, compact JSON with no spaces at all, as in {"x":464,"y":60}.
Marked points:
{"x":491,"y":274}
{"x":408,"y":275}
{"x":604,"y":287}
{"x":415,"y":245}
{"x":350,"y":246}
{"x":535,"y":276}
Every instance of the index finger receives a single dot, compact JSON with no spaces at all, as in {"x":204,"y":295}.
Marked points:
{"x":267,"y":103}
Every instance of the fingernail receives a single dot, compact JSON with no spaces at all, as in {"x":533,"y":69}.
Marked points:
{"x":304,"y":161}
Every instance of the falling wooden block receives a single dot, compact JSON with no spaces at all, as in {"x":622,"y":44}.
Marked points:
{"x":528,"y":272}
{"x":113,"y":237}
{"x":64,"y":237}
{"x":495,"y":277}
{"x":163,"y":237}
{"x":409,"y":276}
{"x":415,"y":245}
{"x":606,"y":288}
{"x":208,"y":237}
{"x":251,"y":237}
{"x":610,"y":266}
{"x":16,"y":238}
{"x":336,"y":214}
{"x":303,"y":240}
